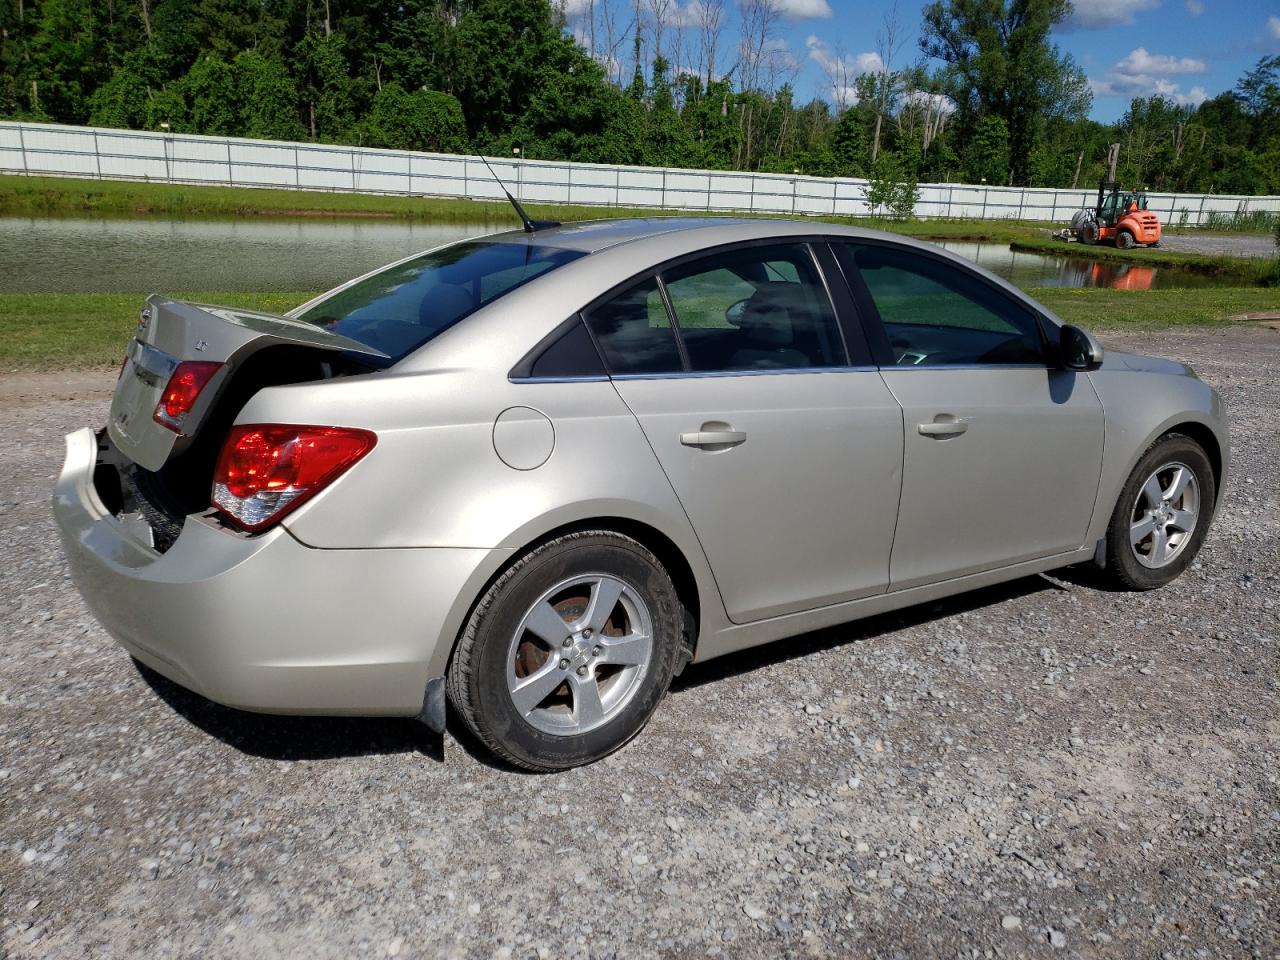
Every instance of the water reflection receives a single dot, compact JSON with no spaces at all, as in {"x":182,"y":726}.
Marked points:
{"x":1036,"y":270}
{"x":120,"y":255}
{"x":148,"y":255}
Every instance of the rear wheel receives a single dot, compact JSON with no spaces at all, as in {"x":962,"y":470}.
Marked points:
{"x":569,"y":652}
{"x":1124,"y":240}
{"x":1163,"y":514}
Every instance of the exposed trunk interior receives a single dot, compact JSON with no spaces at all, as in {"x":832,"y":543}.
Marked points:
{"x":160,"y":500}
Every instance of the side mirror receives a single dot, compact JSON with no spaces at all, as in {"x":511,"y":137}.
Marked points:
{"x":1079,"y":350}
{"x":735,"y":312}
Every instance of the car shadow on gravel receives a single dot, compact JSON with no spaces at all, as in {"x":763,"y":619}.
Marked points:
{"x":770,"y":654}
{"x":295,"y":738}
{"x":276,"y":737}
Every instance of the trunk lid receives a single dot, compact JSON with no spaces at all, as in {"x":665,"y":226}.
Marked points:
{"x":172,"y":331}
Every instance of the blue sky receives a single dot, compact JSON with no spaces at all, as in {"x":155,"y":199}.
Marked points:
{"x":1185,"y":49}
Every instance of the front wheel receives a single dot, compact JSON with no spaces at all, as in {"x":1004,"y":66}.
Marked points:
{"x":1163,"y":514}
{"x":569,"y":652}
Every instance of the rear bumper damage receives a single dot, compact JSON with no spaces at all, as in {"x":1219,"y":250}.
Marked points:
{"x":265,"y":623}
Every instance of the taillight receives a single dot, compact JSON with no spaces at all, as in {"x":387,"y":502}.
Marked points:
{"x":266,"y":470}
{"x":181,"y":392}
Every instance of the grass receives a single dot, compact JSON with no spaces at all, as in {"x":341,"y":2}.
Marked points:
{"x":1107,"y":310}
{"x":59,"y":331}
{"x":1247,"y":270}
{"x":50,"y":331}
{"x":58,"y":196}
{"x":1255,"y":221}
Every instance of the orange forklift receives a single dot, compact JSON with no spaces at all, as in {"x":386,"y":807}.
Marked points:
{"x":1121,"y":218}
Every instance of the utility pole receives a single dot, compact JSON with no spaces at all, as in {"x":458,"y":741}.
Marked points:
{"x":1076,"y":179}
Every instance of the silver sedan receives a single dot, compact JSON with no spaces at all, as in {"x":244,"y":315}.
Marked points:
{"x":534,"y":475}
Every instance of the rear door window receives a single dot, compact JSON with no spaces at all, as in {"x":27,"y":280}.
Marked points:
{"x":634,"y":332}
{"x":755,"y":308}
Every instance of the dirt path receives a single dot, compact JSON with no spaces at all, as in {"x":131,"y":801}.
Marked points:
{"x":1222,"y":244}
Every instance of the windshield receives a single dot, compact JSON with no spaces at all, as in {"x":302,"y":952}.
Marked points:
{"x":400,"y":308}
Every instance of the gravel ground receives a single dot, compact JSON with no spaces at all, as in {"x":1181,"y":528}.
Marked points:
{"x":1042,"y":769}
{"x":1221,"y":244}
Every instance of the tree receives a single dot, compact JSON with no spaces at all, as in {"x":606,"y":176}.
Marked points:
{"x":1002,"y":63}
{"x":890,"y":189}
{"x":423,"y":120}
{"x":888,"y":45}
{"x":267,"y":98}
{"x":558,"y":78}
{"x":849,"y":145}
{"x":122,"y":101}
{"x":987,"y":156}
{"x":208,"y":92}
{"x":327,"y":90}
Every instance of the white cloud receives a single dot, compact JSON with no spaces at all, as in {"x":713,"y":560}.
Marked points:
{"x":804,"y":9}
{"x":842,"y":70}
{"x":1273,"y":24}
{"x":1139,"y":62}
{"x":690,"y":15}
{"x":1195,"y":7}
{"x":940,"y":102}
{"x":1193,"y":97}
{"x":1100,"y":14}
{"x":1145,"y":74}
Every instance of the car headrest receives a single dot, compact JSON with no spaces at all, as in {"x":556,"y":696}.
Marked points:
{"x":767,"y":316}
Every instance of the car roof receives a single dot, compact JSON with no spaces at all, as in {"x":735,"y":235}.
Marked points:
{"x":591,"y":236}
{"x":588,"y":236}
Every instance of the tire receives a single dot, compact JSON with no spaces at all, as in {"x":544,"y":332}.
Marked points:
{"x":1089,"y":235}
{"x":512,"y":648}
{"x":1143,"y":565}
{"x":1154,"y":244}
{"x":1124,"y":240}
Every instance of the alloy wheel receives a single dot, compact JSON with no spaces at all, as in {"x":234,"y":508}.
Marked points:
{"x":1164,"y":515}
{"x":579,"y":655}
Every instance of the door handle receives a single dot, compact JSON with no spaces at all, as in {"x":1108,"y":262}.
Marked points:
{"x":713,"y":438}
{"x":942,"y":429}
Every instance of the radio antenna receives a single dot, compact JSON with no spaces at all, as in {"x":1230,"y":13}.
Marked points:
{"x":530,"y":225}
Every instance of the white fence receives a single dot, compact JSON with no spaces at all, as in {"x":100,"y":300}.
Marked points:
{"x":49,"y":150}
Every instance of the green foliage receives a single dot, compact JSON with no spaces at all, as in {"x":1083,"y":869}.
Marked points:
{"x":267,"y":98}
{"x":849,"y":150}
{"x":1003,"y":65}
{"x":208,"y":97}
{"x":890,"y":189}
{"x":121,"y":101}
{"x":422,"y":120}
{"x":493,"y":75}
{"x":987,"y":156}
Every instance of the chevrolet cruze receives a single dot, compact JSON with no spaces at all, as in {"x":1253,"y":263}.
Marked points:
{"x":536,"y":474}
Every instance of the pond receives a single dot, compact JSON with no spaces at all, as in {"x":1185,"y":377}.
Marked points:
{"x":152,"y":255}
{"x":1028,"y":270}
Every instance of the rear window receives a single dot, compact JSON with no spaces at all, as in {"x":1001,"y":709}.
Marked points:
{"x":399,"y":309}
